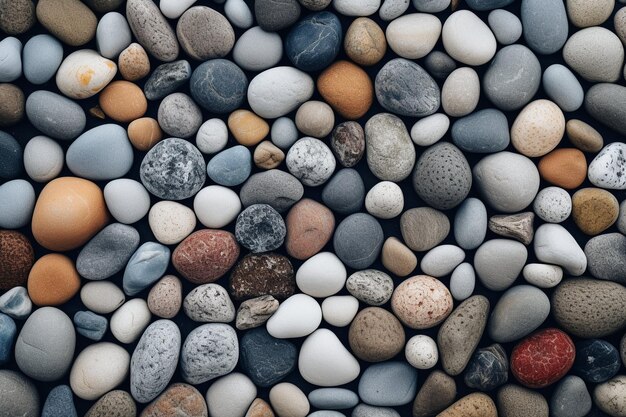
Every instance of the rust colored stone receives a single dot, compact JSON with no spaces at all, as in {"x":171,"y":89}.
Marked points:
{"x":179,"y":400}
{"x":347,"y":88}
{"x":53,"y":280}
{"x":310,"y":226}
{"x":16,"y":259}
{"x":564,"y":167}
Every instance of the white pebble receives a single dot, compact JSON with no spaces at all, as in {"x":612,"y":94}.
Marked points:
{"x":297,"y":316}
{"x":392,"y":9}
{"x":127,"y":200}
{"x":543,"y":275}
{"x":468,"y":39}
{"x":356,"y":7}
{"x":238,"y":13}
{"x":322,"y":275}
{"x":258,"y":50}
{"x":98,"y":369}
{"x":171,"y":222}
{"x":441,"y":260}
{"x":340,"y":310}
{"x":430,"y":130}
{"x":102,"y":297}
{"x":230,"y":395}
{"x":553,"y":205}
{"x":421,"y":352}
{"x":462,"y":281}
{"x":130,"y":320}
{"x":43,"y":159}
{"x":173,"y":9}
{"x":384,"y":200}
{"x":216,"y":206}
{"x":325,"y":361}
{"x":212,"y":136}
{"x":413,"y":36}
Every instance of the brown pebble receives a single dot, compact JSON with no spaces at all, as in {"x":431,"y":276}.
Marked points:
{"x":16,"y":16}
{"x":348,"y":143}
{"x":259,"y":408}
{"x":472,"y":405}
{"x":123,"y":101}
{"x":516,"y":401}
{"x":437,"y":393}
{"x":267,"y":155}
{"x":518,"y":226}
{"x":423,"y":228}
{"x":178,"y":400}
{"x":538,"y":128}
{"x":16,"y":259}
{"x":114,"y":404}
{"x":166,"y":297}
{"x":564,"y":167}
{"x":247,"y":128}
{"x":583,"y":136}
{"x":69,"y":20}
{"x":347,"y":88}
{"x":263,"y":274}
{"x":594,"y":210}
{"x":421,"y":302}
{"x":134,"y":63}
{"x":310,"y":226}
{"x":365,"y":42}
{"x":398,"y":258}
{"x":61,"y":221}
{"x":53,"y":280}
{"x":376,"y":335}
{"x":97,"y":112}
{"x":11,"y":105}
{"x":144,"y":133}
{"x":255,"y":312}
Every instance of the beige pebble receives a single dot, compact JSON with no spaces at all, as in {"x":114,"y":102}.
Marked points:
{"x":460,"y":92}
{"x":166,"y":297}
{"x":538,"y":128}
{"x":619,"y":22}
{"x":171,"y":222}
{"x":583,"y":136}
{"x":398,"y":258}
{"x":473,"y":405}
{"x":123,"y":101}
{"x":376,"y":335}
{"x":247,"y":128}
{"x":289,"y":401}
{"x":134,"y":63}
{"x":315,"y":118}
{"x":365,"y":42}
{"x":585,"y":13}
{"x":421,"y":302}
{"x":267,"y":155}
{"x":144,"y":133}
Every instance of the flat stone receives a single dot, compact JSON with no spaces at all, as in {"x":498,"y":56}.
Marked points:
{"x":333,"y":398}
{"x":205,"y":33}
{"x":275,"y":187}
{"x":265,"y":359}
{"x":90,"y":325}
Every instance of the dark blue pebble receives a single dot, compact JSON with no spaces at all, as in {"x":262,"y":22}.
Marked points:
{"x":265,"y":359}
{"x":345,"y":192}
{"x":485,"y":131}
{"x":596,"y":360}
{"x":10,"y":157}
{"x":219,"y":86}
{"x":314,"y":42}
{"x":488,"y":368}
{"x":59,"y":403}
{"x":230,"y":167}
{"x":8,"y":332}
{"x":90,"y":325}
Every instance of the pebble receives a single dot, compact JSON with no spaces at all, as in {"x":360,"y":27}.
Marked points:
{"x":179,"y":116}
{"x":358,"y":240}
{"x":499,"y":262}
{"x":355,"y":8}
{"x":385,"y":200}
{"x":506,"y":27}
{"x":12,"y":107}
{"x":267,"y":155}
{"x":619,"y":23}
{"x":219,"y":86}
{"x":404,"y":88}
{"x":392,"y":9}
{"x":345,"y":192}
{"x":54,"y":115}
{"x":583,"y":136}
{"x":608,"y":166}
{"x":15,"y":303}
{"x":90,"y":325}
{"x":542,"y":275}
{"x":365,"y":42}
{"x":528,"y":138}
{"x":545,"y":25}
{"x":18,"y":395}
{"x":91,"y":376}
{"x":564,"y":167}
{"x":209,"y":303}
{"x":470,"y":224}
{"x":376,"y":335}
{"x":145,"y":266}
{"x":288,"y":400}
{"x":513,"y":77}
{"x":258,"y":50}
{"x":8,"y":333}
{"x":423,"y":228}
{"x":472,"y":405}
{"x":442,"y":260}
{"x":45,"y":346}
{"x":435,"y":395}
{"x":555,"y":245}
{"x":596,"y":360}
{"x":333,"y":398}
{"x":431,"y":6}
{"x":321,"y":276}
{"x":609,"y":396}
{"x":102,"y":297}
{"x":398,"y":258}
{"x":297,"y":316}
{"x":421,"y":352}
{"x":133,"y":63}
{"x":364,"y":410}
{"x":59,"y":403}
{"x":278,"y":91}
{"x":594,"y":210}
{"x":309,"y":228}
{"x":179,"y":398}
{"x":314,"y":42}
{"x":583,"y":15}
{"x":387,"y":139}
{"x":563,"y":87}
{"x":238,"y":13}
{"x":517,"y":226}
{"x":204,"y":33}
{"x":42,"y":56}
{"x":591,"y":45}
{"x":209,"y":352}
{"x":112,"y":35}
{"x":439,"y":64}
{"x":123,"y":101}
{"x":462,"y":281}
{"x":500,"y":172}
{"x":325,"y":362}
{"x":274,"y":15}
{"x":155,"y":358}
{"x":315,"y":5}
{"x":255,"y":312}
{"x":468,"y":39}
{"x":260,"y":228}
{"x":421,"y":302}
{"x":413,"y":36}
{"x":60,"y":221}
{"x":265,"y":359}
{"x":460,"y":334}
{"x":144,"y":133}
{"x":621,"y":219}
{"x":247,"y":128}
{"x":388,"y":384}
{"x":17,"y":17}
{"x":216,"y":206}
{"x":553,"y":205}
{"x":116,"y":403}
{"x":173,"y":9}
{"x":130,"y":320}
{"x":311,"y":161}
{"x":69,"y":20}
{"x":221,"y":402}
{"x":460,"y":92}
{"x":11,"y":64}
{"x":257,"y":275}
{"x":519,"y":311}
{"x":488,"y":368}
{"x":127,"y":200}
{"x":602,"y":248}
{"x":370,"y":286}
{"x":84,"y":73}
{"x":152,"y":30}
{"x":430,"y":129}
{"x":230,"y":167}
{"x":165,"y":297}
{"x":603,"y":103}
{"x":166,"y":79}
{"x":53,"y":280}
{"x":347,"y":88}
{"x":212,"y":136}
{"x":339,"y":311}
{"x":17,"y":200}
{"x":485,"y":131}
{"x":101,"y":153}
{"x":517,"y":401}
{"x":442,"y":176}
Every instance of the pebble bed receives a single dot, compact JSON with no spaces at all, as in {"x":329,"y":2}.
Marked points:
{"x":291,"y":208}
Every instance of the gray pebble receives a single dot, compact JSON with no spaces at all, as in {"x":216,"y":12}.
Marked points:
{"x":18,"y":395}
{"x":345,"y":192}
{"x":606,"y":257}
{"x":210,"y":351}
{"x":166,"y":79}
{"x":358,"y":240}
{"x":112,"y":35}
{"x":621,"y":219}
{"x":274,"y":15}
{"x":519,"y":311}
{"x":545,"y":25}
{"x":42,"y":57}
{"x":364,"y":410}
{"x":370,"y":286}
{"x":11,"y":63}
{"x":17,"y":17}
{"x":16,"y":303}
{"x":570,"y":398}
{"x":431,"y":6}
{"x":90,"y":325}
{"x":439,"y":64}
{"x":606,"y":103}
{"x":179,"y":116}
{"x":389,"y":149}
{"x":260,"y":228}
{"x":470,"y":224}
{"x":333,"y":398}
{"x":17,"y":201}
{"x":311,"y":161}
{"x":484,"y":131}
{"x":388,"y":384}
{"x":284,"y":132}
{"x":258,"y":50}
{"x":487,"y":4}
{"x":277,"y":188}
{"x":488,"y":368}
{"x":209,"y":303}
{"x":462,"y":281}
{"x":266,"y":359}
{"x":392,"y":9}
{"x":498,"y":263}
{"x":54,"y":115}
{"x":205,"y":33}
{"x":588,"y":47}
{"x":60,"y":403}
{"x":219,"y":86}
{"x":506,"y":27}
{"x":152,"y":29}
{"x":561,"y":85}
{"x":145,"y":267}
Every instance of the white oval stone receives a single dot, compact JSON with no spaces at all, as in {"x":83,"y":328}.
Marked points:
{"x":324,"y":361}
{"x":553,"y":205}
{"x":297,"y":316}
{"x":212,"y":136}
{"x":392,"y":9}
{"x":468,"y":39}
{"x":339,"y":310}
{"x":98,"y":369}
{"x":216,"y":206}
{"x":113,"y":35}
{"x":460,"y":92}
{"x":543,"y":275}
{"x":608,"y":168}
{"x":442,"y":260}
{"x":84,"y":73}
{"x":421,"y":352}
{"x":43,"y":159}
{"x":430,"y":129}
{"x":230,"y":395}
{"x":610,"y":396}
{"x":127,"y":200}
{"x":102,"y":297}
{"x":384,"y":200}
{"x":413,"y":36}
{"x":462,"y":281}
{"x":171,"y":222}
{"x":173,"y":9}
{"x":278,"y":91}
{"x":238,"y":13}
{"x":322,"y":275}
{"x":258,"y":50}
{"x":130,"y":320}
{"x":356,"y":7}
{"x":555,"y":245}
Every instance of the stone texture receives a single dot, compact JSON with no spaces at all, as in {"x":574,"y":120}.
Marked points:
{"x":263,"y":274}
{"x":424,"y":228}
{"x":376,"y":335}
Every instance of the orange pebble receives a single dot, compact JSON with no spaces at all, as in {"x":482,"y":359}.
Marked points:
{"x":53,"y":280}
{"x":564,"y":167}
{"x":347,"y":88}
{"x":123,"y":101}
{"x":144,"y":133}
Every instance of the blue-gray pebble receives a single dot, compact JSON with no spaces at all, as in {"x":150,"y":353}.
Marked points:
{"x":60,"y":403}
{"x":16,"y":303}
{"x":570,"y":398}
{"x":345,"y":192}
{"x":314,"y":42}
{"x":265,"y":359}
{"x":606,"y":103}
{"x":481,"y":5}
{"x":470,"y":224}
{"x":519,"y":311}
{"x":41,"y":57}
{"x":260,"y":228}
{"x":54,"y":115}
{"x":101,"y":153}
{"x":11,"y":62}
{"x":10,"y":156}
{"x":562,"y":86}
{"x":166,"y":79}
{"x":17,"y":201}
{"x":358,"y":240}
{"x":219,"y":86}
{"x":145,"y":267}
{"x":488,"y":369}
{"x":333,"y":398}
{"x":545,"y":25}
{"x":388,"y":384}
{"x":8,"y":331}
{"x":326,"y":413}
{"x":364,"y":410}
{"x":485,"y":131}
{"x":230,"y":167}
{"x":90,"y":325}
{"x":596,"y":361}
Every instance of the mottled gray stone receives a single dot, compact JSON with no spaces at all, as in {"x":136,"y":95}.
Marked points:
{"x":506,"y":27}
{"x":209,"y":303}
{"x":311,"y":161}
{"x":59,"y":403}
{"x":18,"y":395}
{"x":371,"y":286}
{"x":260,"y":228}
{"x":152,"y":29}
{"x":606,"y":257}
{"x":54,"y":115}
{"x":604,"y":102}
{"x":209,"y":351}
{"x":179,"y":116}
{"x":218,"y":85}
{"x":388,"y":384}
{"x":274,"y":15}
{"x":439,"y":64}
{"x":205,"y":33}
{"x":390,"y":151}
{"x":277,"y":188}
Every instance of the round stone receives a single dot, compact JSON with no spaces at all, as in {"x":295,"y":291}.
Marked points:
{"x":430,"y":129}
{"x":278,"y":91}
{"x":506,"y":26}
{"x":421,"y":302}
{"x":247,"y":128}
{"x":209,"y":303}
{"x":553,"y":205}
{"x":165,"y":297}
{"x":260,"y":228}
{"x":564,"y":167}
{"x":376,"y":335}
{"x":468,"y":39}
{"x":345,"y":192}
{"x":91,"y":377}
{"x":594,"y":210}
{"x":596,"y":360}
{"x":17,"y":17}
{"x":358,"y":240}
{"x":385,"y":200}
{"x":171,"y":222}
{"x":423,"y":228}
{"x":309,"y":228}
{"x":591,"y":45}
{"x":230,"y":167}
{"x":315,"y":118}
{"x":563,"y":87}
{"x":538,"y":128}
{"x":17,"y":200}
{"x":311,"y":161}
{"x":274,"y":15}
{"x":365,"y":42}
{"x":127,"y":200}
{"x":518,"y":312}
{"x":53,"y":280}
{"x":460,"y":92}
{"x":204,"y":33}
{"x":258,"y":50}
{"x":314,"y":42}
{"x":218,"y":85}
{"x":12,"y":103}
{"x":216,"y":206}
{"x":605,"y":256}
{"x":421,"y":352}
{"x":347,"y":88}
{"x":84,"y":73}
{"x":144,"y":133}
{"x":133,"y":62}
{"x":212,"y":136}
{"x":43,"y":159}
{"x":370,"y":286}
{"x":179,"y":116}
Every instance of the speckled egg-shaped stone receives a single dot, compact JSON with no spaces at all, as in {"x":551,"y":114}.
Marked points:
{"x":421,"y":302}
{"x":376,"y":335}
{"x":538,"y":128}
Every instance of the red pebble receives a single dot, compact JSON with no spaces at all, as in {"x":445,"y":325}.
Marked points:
{"x":543,"y":358}
{"x":206,"y":255}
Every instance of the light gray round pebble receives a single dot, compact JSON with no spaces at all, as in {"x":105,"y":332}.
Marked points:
{"x":275,"y":187}
{"x":562,"y":86}
{"x":258,"y":50}
{"x":17,"y":201}
{"x":112,"y":35}
{"x":499,"y":262}
{"x":311,"y":161}
{"x":11,"y":63}
{"x":42,"y":57}
{"x":388,"y":384}
{"x":442,"y":260}
{"x":54,"y":115}
{"x":210,"y":351}
{"x":587,"y":48}
{"x":209,"y":303}
{"x":392,"y":9}
{"x":470,"y":224}
{"x":43,"y":159}
{"x":431,"y":6}
{"x":390,"y":151}
{"x":284,"y":132}
{"x":518,"y":312}
{"x":606,"y":257}
{"x":553,"y":205}
{"x":238,"y":13}
{"x":506,"y":27}
{"x":179,"y":116}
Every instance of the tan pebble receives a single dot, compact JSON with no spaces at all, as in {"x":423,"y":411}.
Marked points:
{"x":63,"y":221}
{"x":564,"y":167}
{"x":398,"y":258}
{"x":421,"y":302}
{"x":69,"y":20}
{"x":53,"y":280}
{"x":347,"y":88}
{"x":267,"y":155}
{"x":134,"y":63}
{"x":255,"y":312}
{"x":289,"y":401}
{"x":460,"y":92}
{"x":247,"y":128}
{"x":473,"y":405}
{"x":594,"y":210}
{"x":144,"y":133}
{"x":583,"y":136}
{"x":97,"y":112}
{"x":376,"y":335}
{"x":171,"y":222}
{"x":585,"y":13}
{"x":123,"y":101}
{"x":516,"y":401}
{"x":259,"y":408}
{"x":310,"y":226}
{"x":11,"y":105}
{"x":538,"y":128}
{"x":315,"y":118}
{"x":365,"y":42}
{"x":619,"y":22}
{"x":166,"y":297}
